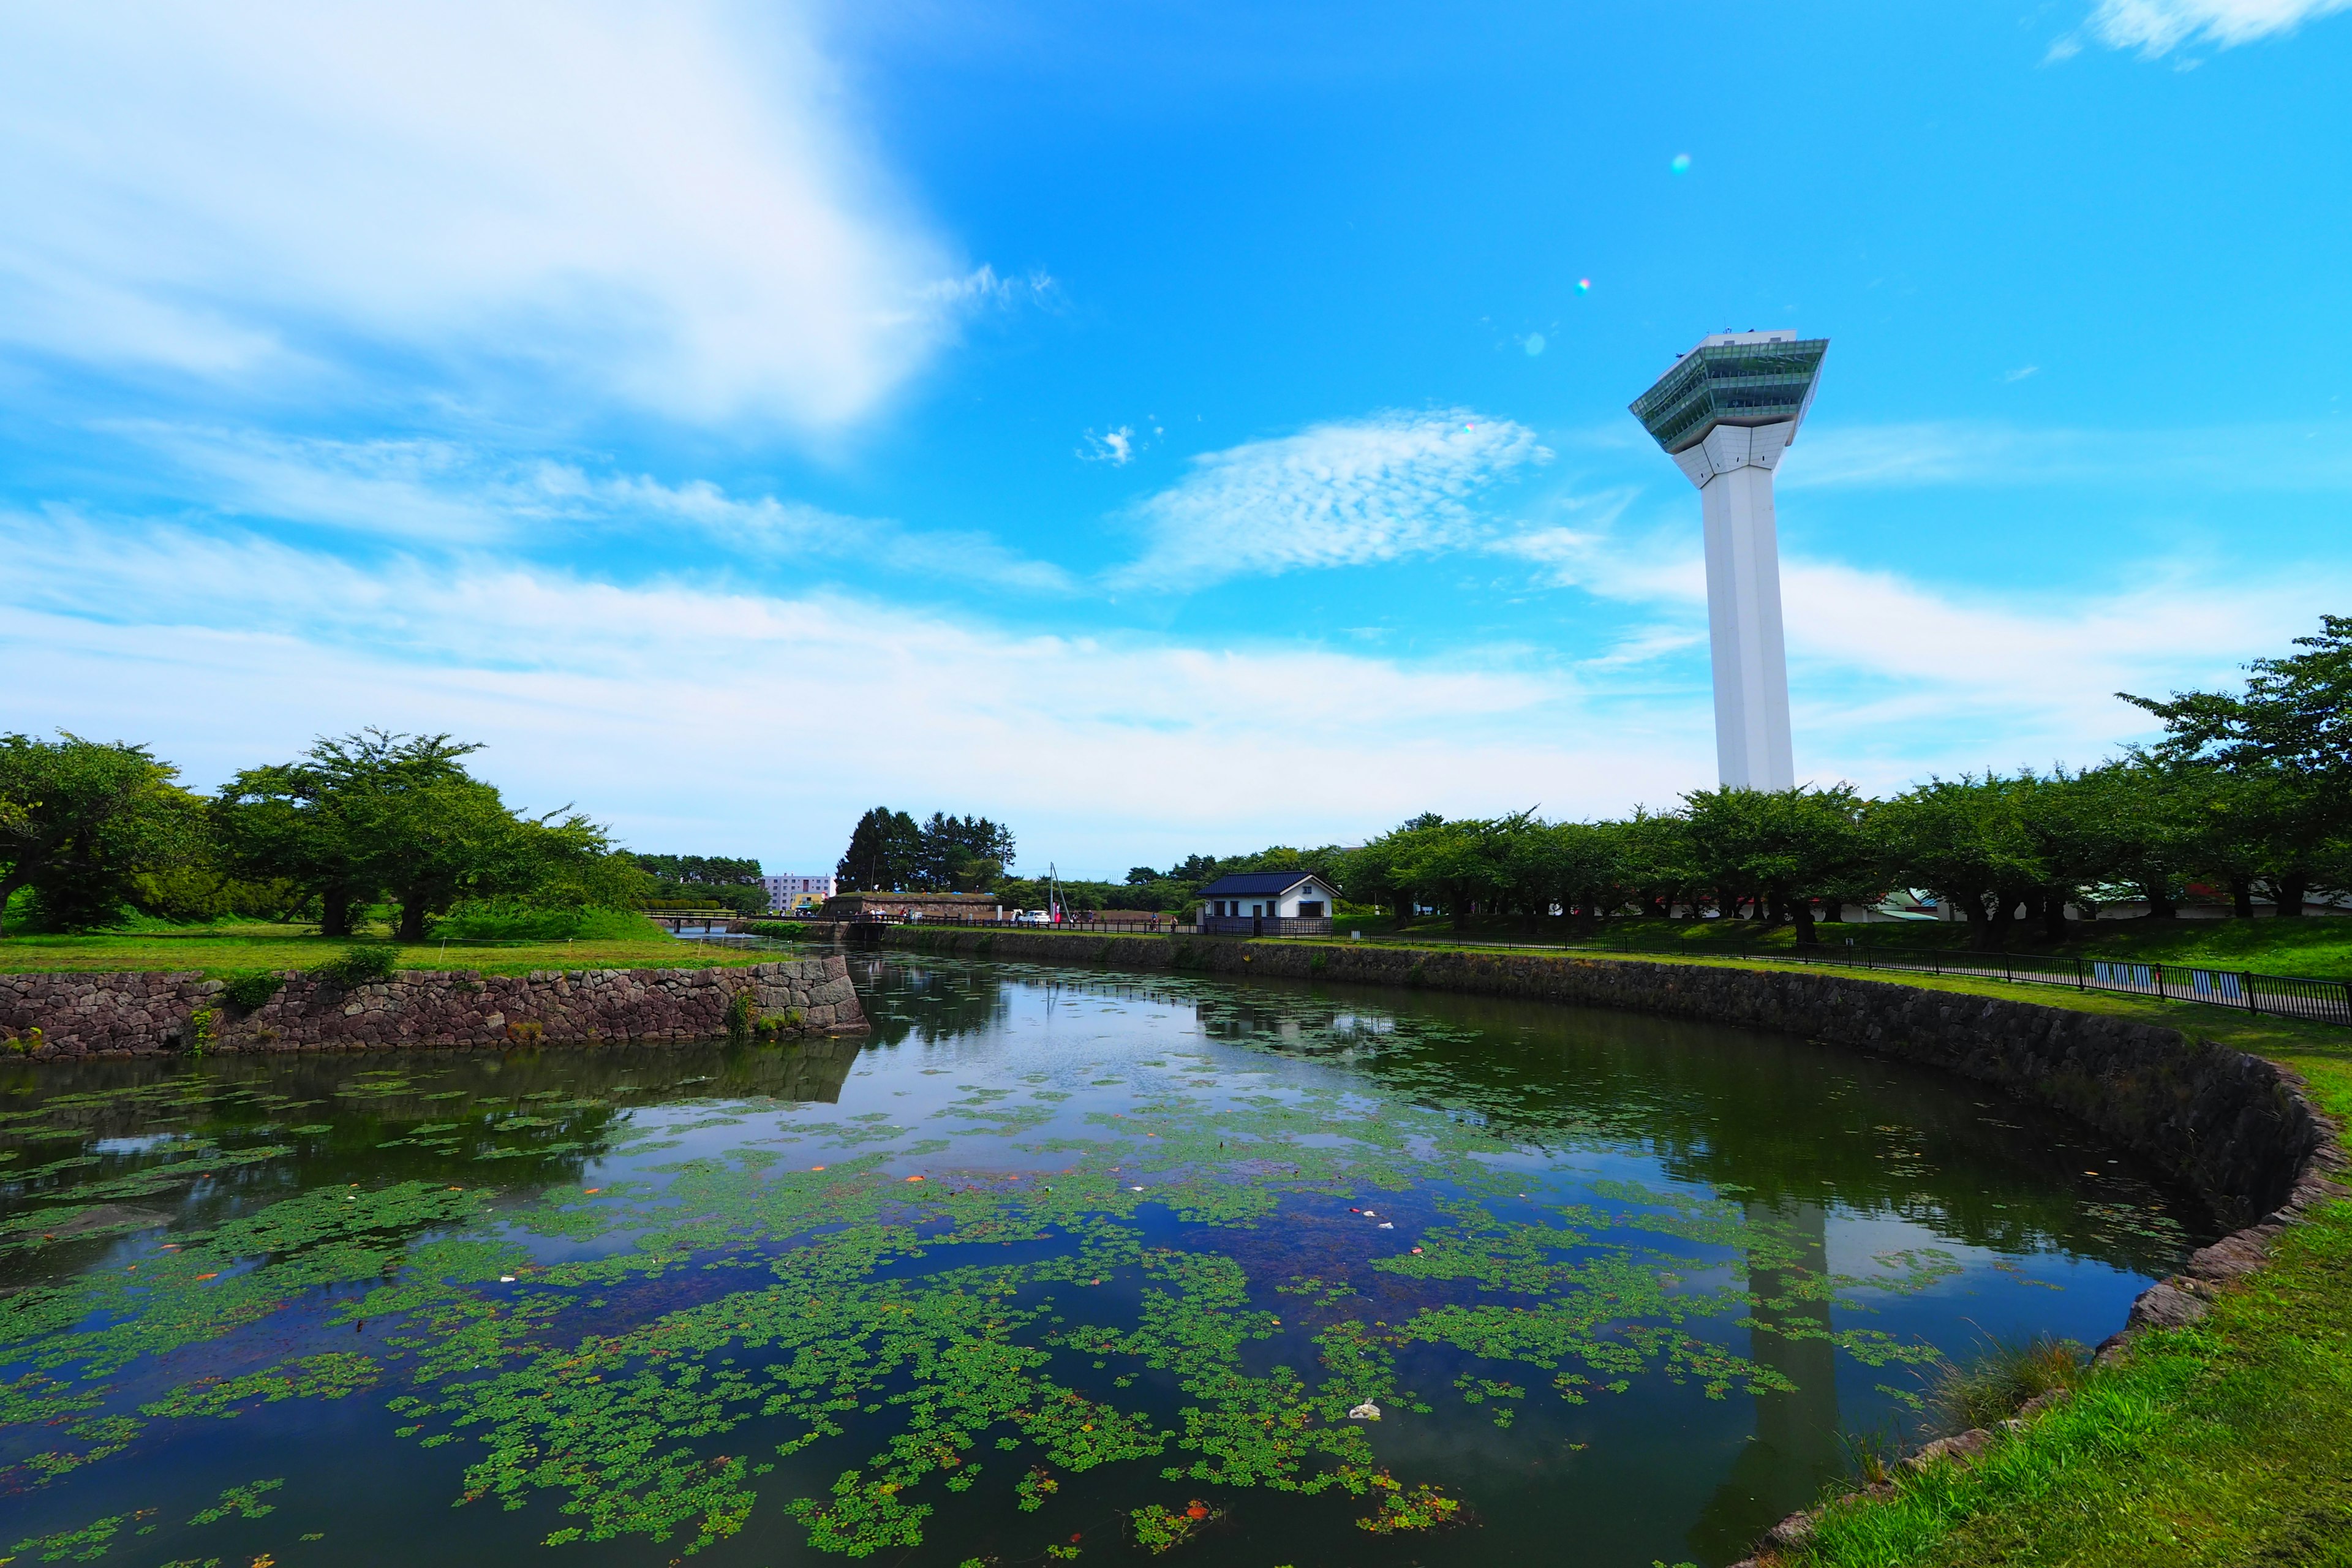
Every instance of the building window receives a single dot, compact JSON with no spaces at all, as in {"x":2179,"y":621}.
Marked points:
{"x":1310,"y":909}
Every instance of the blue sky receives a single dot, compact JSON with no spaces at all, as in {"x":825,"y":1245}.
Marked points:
{"x":1162,"y":427}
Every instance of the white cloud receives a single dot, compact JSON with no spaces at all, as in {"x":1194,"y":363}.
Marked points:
{"x":2303,"y":456}
{"x":1892,"y":679}
{"x":1115,"y":447}
{"x":1339,"y":494}
{"x":693,"y":715}
{"x":448,"y":495}
{"x":697,"y":715}
{"x":783,"y":528}
{"x":2156,"y":27}
{"x":666,"y":206}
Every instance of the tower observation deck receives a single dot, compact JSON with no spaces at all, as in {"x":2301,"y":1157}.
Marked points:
{"x":1725,"y":413}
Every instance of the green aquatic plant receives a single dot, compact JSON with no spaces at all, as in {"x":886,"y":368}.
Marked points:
{"x":1199,"y":1280}
{"x":1156,"y":1528}
{"x":1403,"y":1509}
{"x":242,"y":1502}
{"x":87,"y":1544}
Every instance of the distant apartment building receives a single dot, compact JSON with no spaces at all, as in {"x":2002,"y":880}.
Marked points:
{"x":792,"y":891}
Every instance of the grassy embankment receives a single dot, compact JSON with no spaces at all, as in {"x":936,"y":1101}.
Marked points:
{"x":2229,"y":1442}
{"x":2316,"y":946}
{"x":229,"y":949}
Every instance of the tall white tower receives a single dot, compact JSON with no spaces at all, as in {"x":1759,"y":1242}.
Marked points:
{"x":1725,"y":414}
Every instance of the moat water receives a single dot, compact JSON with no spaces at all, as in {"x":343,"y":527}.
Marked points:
{"x":1053,"y":1266}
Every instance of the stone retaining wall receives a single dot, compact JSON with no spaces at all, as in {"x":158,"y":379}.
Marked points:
{"x":137,"y":1014}
{"x":2231,"y":1128}
{"x":2235,"y":1130}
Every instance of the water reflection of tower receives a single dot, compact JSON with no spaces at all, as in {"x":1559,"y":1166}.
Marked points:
{"x":1725,"y":414}
{"x":1795,"y":1450}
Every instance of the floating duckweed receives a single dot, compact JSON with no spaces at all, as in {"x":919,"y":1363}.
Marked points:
{"x":1184,"y":1284}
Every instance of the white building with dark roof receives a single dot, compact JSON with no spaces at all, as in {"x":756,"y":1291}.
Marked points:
{"x":1268,"y":903}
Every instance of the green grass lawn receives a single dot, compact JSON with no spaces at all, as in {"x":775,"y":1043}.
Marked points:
{"x":235,"y":948}
{"x":2316,"y":946}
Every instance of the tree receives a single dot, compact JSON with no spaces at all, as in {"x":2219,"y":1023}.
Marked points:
{"x":709,"y":879}
{"x":1457,"y":865}
{"x":1655,"y":863}
{"x":80,"y":821}
{"x":1785,"y":848}
{"x":2289,"y":730}
{"x":961,"y":854}
{"x":379,"y":812}
{"x":1964,"y":841}
{"x":884,"y":849}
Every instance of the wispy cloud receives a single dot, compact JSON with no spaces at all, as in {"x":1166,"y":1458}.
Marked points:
{"x":1115,"y":447}
{"x":2156,"y":27}
{"x":1115,"y":747}
{"x":447,"y":495}
{"x":1099,"y":748}
{"x":1893,"y":678}
{"x":1339,"y":494}
{"x":2317,"y":455}
{"x":669,"y":208}
{"x":781,"y":528}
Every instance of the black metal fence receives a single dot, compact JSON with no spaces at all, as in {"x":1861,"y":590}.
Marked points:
{"x":1265,"y":925}
{"x":2320,"y":1001}
{"x":1163,"y":923}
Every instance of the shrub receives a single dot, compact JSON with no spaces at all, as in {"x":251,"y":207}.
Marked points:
{"x":202,"y":1026}
{"x":509,"y":919}
{"x":1993,"y":1384}
{"x":742,"y":1017}
{"x":781,"y":931}
{"x":359,"y":966}
{"x":250,"y":991}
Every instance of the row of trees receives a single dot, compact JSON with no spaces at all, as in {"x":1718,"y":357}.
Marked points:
{"x":88,"y":829}
{"x":2248,"y":794}
{"x":890,"y":852}
{"x":722,"y":880}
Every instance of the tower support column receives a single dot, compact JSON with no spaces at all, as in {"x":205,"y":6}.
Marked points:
{"x":1743,"y":612}
{"x":1726,"y":412}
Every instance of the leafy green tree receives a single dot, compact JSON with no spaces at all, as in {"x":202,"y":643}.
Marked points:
{"x":884,"y":850}
{"x":722,"y":879}
{"x":1656,"y":865}
{"x":378,"y":812}
{"x":1785,"y":848}
{"x":1965,"y":840}
{"x":80,"y":821}
{"x":961,"y":854}
{"x":2289,"y":737}
{"x":2150,"y":815}
{"x":1458,"y":866}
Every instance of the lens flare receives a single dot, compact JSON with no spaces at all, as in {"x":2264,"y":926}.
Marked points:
{"x":1535,"y":345}
{"x":1584,"y":285}
{"x":1681,"y":165}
